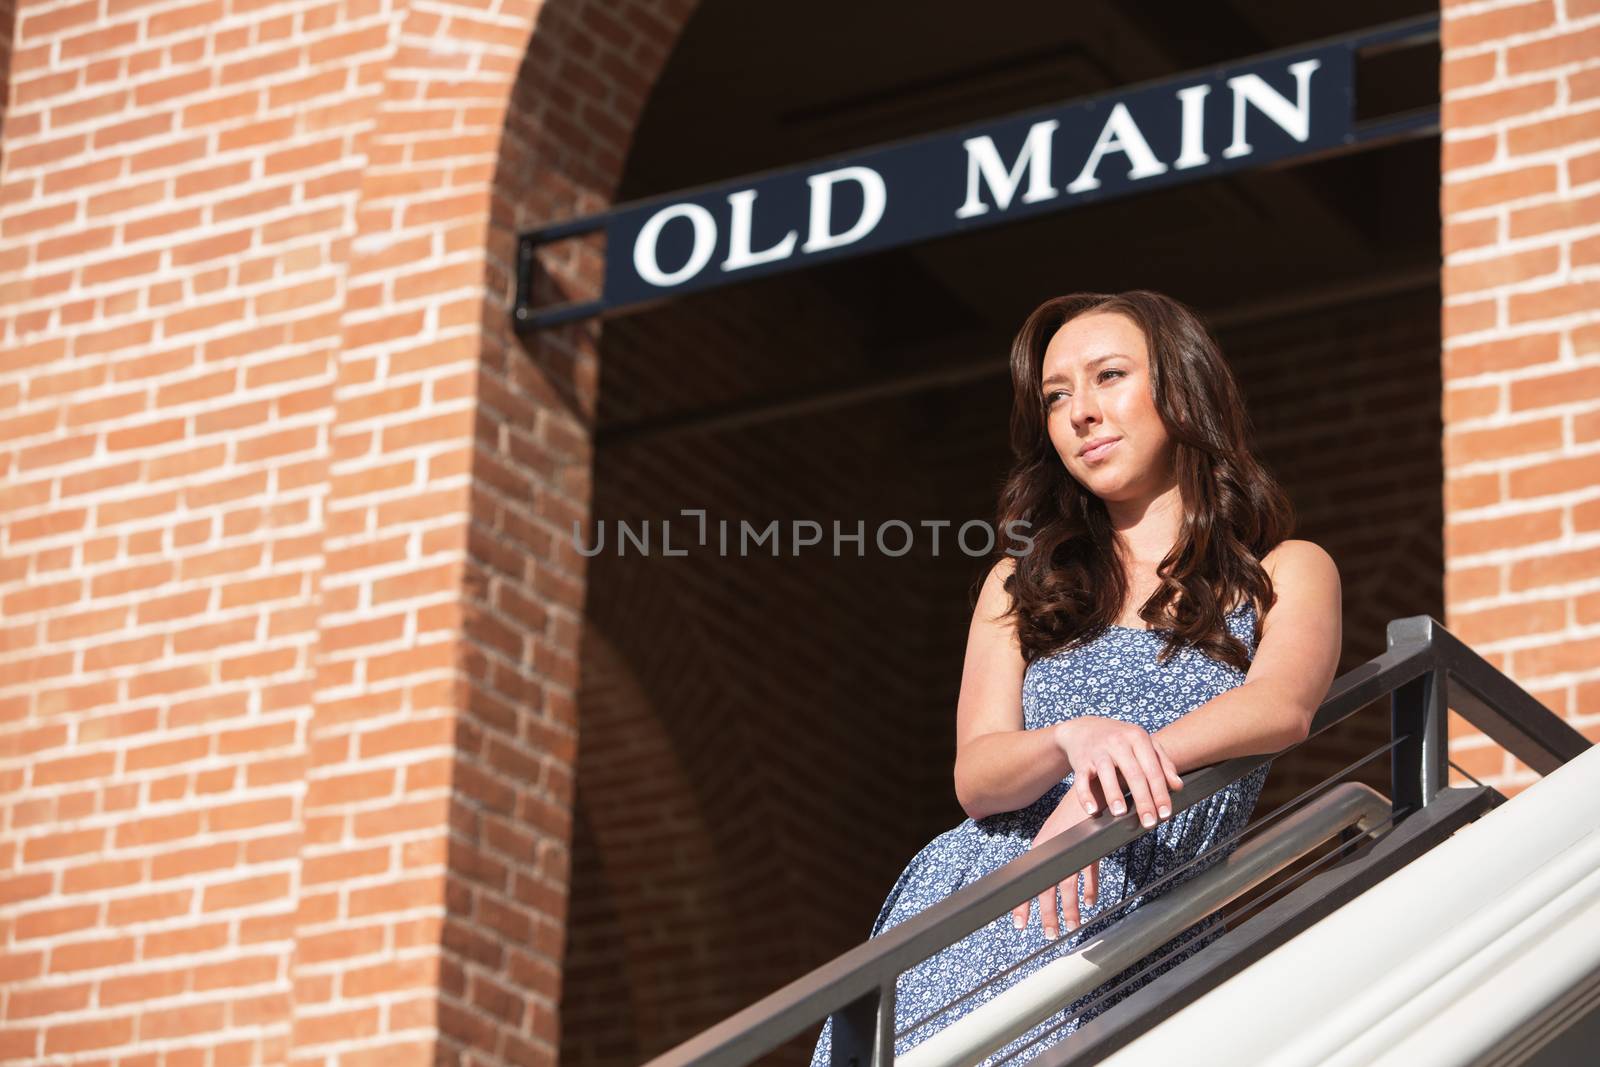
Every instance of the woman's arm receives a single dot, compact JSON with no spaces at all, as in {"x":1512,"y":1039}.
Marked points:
{"x":1294,"y":664}
{"x":1007,"y":770}
{"x":999,"y":765}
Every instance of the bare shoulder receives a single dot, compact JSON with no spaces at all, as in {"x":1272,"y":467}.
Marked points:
{"x":1304,"y":577}
{"x":992,"y":598}
{"x":1004,"y":568}
{"x":1298,"y":558}
{"x":1303,"y":632}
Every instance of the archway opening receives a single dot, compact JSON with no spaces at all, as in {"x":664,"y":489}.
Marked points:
{"x":768,"y":739}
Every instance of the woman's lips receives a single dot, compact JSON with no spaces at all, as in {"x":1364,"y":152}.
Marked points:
{"x":1099,"y":451}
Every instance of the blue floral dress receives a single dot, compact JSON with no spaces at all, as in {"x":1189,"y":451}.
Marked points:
{"x":1115,"y":675}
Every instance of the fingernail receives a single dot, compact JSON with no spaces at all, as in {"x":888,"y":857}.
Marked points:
{"x":1018,"y":923}
{"x":1088,"y":806}
{"x":1050,"y":935}
{"x":1165,"y":811}
{"x":1147,"y":819}
{"x":1119,"y":808}
{"x":1071,"y":925}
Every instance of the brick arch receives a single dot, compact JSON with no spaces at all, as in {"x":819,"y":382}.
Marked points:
{"x":8,"y":21}
{"x":580,"y":85}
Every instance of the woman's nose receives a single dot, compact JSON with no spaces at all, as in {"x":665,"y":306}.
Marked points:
{"x":1083,"y":410}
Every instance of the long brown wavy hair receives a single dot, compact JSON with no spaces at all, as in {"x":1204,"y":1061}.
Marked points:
{"x":1070,"y":585}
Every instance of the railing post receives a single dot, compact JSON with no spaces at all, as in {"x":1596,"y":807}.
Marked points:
{"x":1418,"y":712}
{"x":863,"y":1031}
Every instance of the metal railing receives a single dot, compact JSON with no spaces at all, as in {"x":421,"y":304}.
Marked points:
{"x":1424,"y":671}
{"x":996,"y":1024}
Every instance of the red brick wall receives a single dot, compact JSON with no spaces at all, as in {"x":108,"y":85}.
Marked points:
{"x":1521,"y":210}
{"x":288,"y":636}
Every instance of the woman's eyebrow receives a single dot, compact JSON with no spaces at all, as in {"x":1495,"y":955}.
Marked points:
{"x":1097,"y":359}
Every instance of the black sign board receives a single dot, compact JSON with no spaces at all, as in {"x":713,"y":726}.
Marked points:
{"x":1294,"y":103}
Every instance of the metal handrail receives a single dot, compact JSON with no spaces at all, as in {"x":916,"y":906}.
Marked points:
{"x":1424,"y":671}
{"x":991,"y":1026}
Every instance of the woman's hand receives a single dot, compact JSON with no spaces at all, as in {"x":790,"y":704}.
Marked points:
{"x":1068,"y":814}
{"x":1099,"y":748}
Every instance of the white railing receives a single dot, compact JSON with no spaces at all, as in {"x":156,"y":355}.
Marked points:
{"x":1441,"y":963}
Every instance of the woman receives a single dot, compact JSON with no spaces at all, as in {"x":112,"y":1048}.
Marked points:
{"x":1162,"y":620}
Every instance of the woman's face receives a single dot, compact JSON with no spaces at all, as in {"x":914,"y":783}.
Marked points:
{"x":1096,"y":385}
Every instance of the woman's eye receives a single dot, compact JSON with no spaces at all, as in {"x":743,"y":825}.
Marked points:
{"x":1050,"y":398}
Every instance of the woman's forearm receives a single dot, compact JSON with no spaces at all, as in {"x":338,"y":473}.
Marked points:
{"x":1007,"y":770}
{"x":1249,"y":719}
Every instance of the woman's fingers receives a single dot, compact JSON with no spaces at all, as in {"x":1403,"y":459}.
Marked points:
{"x":1138,"y":789}
{"x":1069,"y":901}
{"x":1107,"y":772}
{"x":1083,"y":785}
{"x":1150,"y":792}
{"x":1047,"y":913}
{"x":1089,"y":878}
{"x":1168,"y":766}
